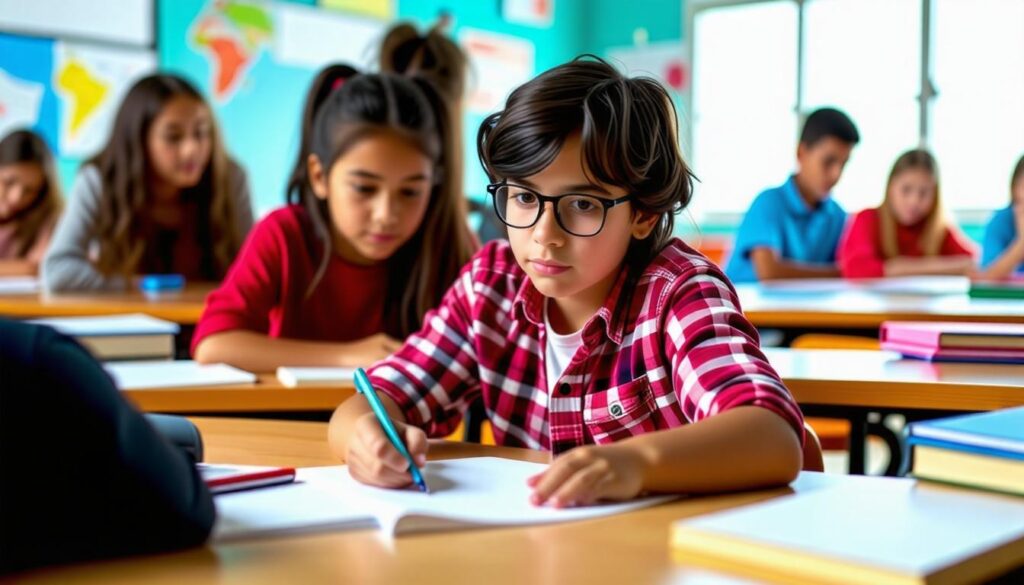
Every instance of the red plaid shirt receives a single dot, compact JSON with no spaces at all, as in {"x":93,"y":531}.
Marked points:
{"x":680,"y":352}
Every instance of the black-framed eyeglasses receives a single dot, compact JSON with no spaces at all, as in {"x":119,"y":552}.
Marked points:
{"x":576,"y":213}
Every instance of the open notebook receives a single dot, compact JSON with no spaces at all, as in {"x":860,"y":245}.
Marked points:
{"x":465,"y":493}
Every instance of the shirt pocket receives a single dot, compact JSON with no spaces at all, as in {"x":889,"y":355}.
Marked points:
{"x":619,"y":412}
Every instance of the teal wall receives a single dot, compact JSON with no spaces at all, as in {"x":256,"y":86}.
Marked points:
{"x":266,"y":144}
{"x":610,"y":23}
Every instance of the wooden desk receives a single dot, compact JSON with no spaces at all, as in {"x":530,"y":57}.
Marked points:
{"x":265,"y":396}
{"x":184,"y":308}
{"x":833,"y":308}
{"x":873,"y":380}
{"x":851,"y":384}
{"x":631,"y":548}
{"x":879,"y":380}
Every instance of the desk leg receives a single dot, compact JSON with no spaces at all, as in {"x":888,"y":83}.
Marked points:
{"x":892,"y":442}
{"x":858,"y":443}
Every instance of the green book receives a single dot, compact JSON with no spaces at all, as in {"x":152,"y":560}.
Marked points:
{"x":1011,"y":289}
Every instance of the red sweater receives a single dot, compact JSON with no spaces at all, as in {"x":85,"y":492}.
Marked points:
{"x":265,"y":289}
{"x":860,"y":251}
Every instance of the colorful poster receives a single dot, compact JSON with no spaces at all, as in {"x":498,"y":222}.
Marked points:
{"x":665,"y":61}
{"x":255,"y":60}
{"x":382,"y":9}
{"x":539,"y":13}
{"x":26,"y":97}
{"x":67,"y":92}
{"x":498,"y":64}
{"x":232,"y":36}
{"x":91,"y":82}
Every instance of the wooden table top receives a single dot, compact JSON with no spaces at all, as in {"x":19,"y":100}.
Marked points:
{"x":629,"y":548}
{"x":183,"y":308}
{"x":266,"y":395}
{"x":883,"y":379}
{"x":826,"y":377}
{"x":858,"y":308}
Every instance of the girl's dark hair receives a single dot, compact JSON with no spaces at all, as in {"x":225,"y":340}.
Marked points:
{"x":328,"y":80}
{"x":425,"y":266}
{"x":826,"y":122}
{"x":1018,"y":173}
{"x":628,"y":129}
{"x":437,"y":59}
{"x":432,"y":56}
{"x":23,"y":146}
{"x":123,"y":166}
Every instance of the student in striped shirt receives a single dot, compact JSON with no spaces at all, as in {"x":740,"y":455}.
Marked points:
{"x":592,"y":333}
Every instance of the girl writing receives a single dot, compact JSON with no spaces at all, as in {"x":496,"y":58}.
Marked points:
{"x":337,"y":279}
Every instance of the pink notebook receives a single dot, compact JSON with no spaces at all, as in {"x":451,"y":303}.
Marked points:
{"x":933,"y":334}
{"x":940,"y":354}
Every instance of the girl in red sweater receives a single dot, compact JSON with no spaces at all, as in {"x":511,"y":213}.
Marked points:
{"x":381,"y":232}
{"x":907,"y":234}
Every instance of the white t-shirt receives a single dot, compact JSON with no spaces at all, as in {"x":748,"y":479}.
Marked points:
{"x":558,"y":351}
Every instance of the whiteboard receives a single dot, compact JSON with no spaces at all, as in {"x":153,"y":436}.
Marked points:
{"x":118,"y":21}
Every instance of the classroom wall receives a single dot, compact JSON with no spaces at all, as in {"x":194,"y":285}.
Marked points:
{"x":260,"y":118}
{"x":611,"y":23}
{"x":259,"y":108}
{"x":560,"y":42}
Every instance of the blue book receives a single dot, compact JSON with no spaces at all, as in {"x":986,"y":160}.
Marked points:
{"x":999,"y":432}
{"x":985,"y":451}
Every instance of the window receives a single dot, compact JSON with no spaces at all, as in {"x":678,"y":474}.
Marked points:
{"x":760,"y":66}
{"x":977,"y":124}
{"x":744,"y":101}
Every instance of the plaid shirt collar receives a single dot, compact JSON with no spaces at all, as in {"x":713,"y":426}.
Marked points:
{"x":528,"y":307}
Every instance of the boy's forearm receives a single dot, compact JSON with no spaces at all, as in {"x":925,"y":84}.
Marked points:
{"x":1007,"y":262}
{"x":917,"y":265}
{"x":769,"y":266}
{"x":747,"y":447}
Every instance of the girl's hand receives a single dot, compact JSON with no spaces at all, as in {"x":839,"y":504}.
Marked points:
{"x":588,"y":474}
{"x":373,"y":460}
{"x":369,"y":350}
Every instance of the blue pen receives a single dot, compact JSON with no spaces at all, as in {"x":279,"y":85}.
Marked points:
{"x":366,"y":389}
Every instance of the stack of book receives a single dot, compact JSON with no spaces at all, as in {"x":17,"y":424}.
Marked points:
{"x":120,"y":337}
{"x":967,"y":342}
{"x":983,"y":450}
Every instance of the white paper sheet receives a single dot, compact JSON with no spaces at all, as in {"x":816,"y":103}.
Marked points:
{"x":176,"y":374}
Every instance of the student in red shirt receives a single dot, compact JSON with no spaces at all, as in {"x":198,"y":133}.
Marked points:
{"x":380,"y":234}
{"x":592,"y":333}
{"x":907,"y":234}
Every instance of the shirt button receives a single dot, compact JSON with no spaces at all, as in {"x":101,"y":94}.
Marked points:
{"x":564,"y":389}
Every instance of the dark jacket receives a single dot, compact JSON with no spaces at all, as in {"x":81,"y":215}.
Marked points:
{"x":82,"y":474}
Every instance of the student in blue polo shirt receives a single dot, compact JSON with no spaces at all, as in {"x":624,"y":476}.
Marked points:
{"x":1002,"y":253}
{"x":792,"y":231}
